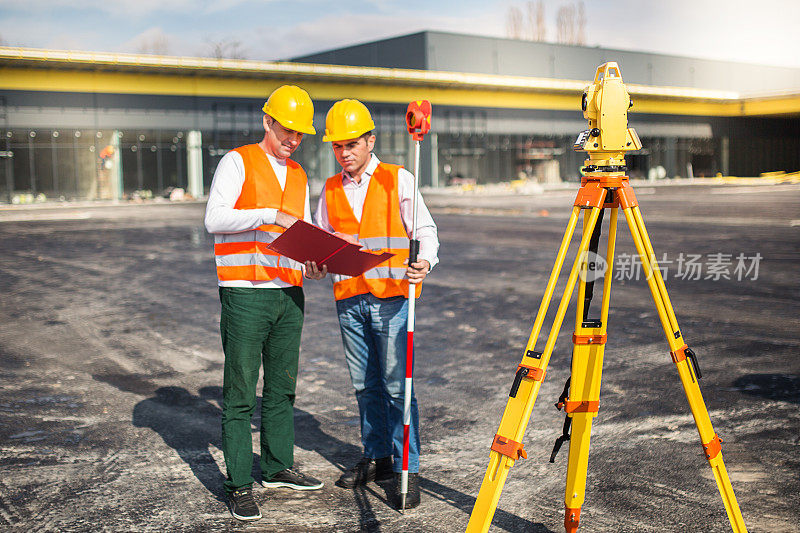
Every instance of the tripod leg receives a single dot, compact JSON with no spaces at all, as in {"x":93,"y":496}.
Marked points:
{"x":584,"y":397}
{"x":507,"y":447}
{"x":685,"y":362}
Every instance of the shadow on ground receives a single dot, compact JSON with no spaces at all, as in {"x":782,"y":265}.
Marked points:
{"x":780,"y":387}
{"x":310,"y":436}
{"x":189,"y":424}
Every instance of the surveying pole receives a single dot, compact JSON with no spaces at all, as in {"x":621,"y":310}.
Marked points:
{"x":605,"y":105}
{"x":418,"y":122}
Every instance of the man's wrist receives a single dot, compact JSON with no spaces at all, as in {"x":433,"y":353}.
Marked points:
{"x":430,"y":264}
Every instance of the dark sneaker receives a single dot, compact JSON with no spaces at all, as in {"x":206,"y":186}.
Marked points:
{"x":243,"y":505}
{"x":292,"y":479}
{"x":367,"y":470}
{"x":412,"y":494}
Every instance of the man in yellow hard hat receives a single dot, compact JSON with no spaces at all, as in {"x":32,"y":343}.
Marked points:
{"x":371,"y":203}
{"x":256,"y":193}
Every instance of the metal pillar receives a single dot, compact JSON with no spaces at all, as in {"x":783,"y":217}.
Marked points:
{"x":433,"y":147}
{"x":32,"y":162}
{"x":725,"y":156}
{"x":75,"y":163}
{"x":139,"y":175}
{"x":9,"y":166}
{"x":194,"y":163}
{"x":116,"y":170}
{"x":54,"y":160}
{"x":159,"y":165}
{"x":178,"y":165}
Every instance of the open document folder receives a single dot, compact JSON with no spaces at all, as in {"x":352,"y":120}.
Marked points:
{"x":305,"y":242}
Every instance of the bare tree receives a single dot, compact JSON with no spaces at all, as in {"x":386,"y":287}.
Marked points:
{"x":532,"y":26}
{"x":155,"y":44}
{"x":537,"y":29}
{"x":565,"y":24}
{"x":226,"y":49}
{"x":541,"y":25}
{"x":571,"y":24}
{"x":514,"y":23}
{"x":581,"y":33}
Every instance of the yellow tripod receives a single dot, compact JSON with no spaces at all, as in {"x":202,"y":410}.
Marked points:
{"x":604,"y":187}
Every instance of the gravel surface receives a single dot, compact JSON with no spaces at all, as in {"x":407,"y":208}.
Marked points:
{"x":111,"y":371}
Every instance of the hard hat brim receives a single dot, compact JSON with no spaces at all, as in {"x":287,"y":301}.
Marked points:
{"x":308,"y":130}
{"x":345,"y":136}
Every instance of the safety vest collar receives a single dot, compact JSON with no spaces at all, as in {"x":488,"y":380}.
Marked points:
{"x":380,"y":227}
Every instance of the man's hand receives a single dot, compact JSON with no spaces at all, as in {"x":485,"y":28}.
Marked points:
{"x":312,"y":272}
{"x":284,"y":220}
{"x":416,"y":272}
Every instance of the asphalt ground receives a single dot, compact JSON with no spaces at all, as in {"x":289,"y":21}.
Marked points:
{"x":111,"y":372}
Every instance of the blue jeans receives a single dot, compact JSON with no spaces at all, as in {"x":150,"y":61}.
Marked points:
{"x":374,"y":337}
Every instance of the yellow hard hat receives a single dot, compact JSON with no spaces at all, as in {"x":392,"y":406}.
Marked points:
{"x":347,"y":119}
{"x":292,"y":108}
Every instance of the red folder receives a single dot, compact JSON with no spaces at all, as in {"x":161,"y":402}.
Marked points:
{"x":305,"y":242}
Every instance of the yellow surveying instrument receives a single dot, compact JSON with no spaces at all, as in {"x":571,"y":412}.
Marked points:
{"x":605,"y":105}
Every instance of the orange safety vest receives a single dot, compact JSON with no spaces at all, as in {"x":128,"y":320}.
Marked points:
{"x":244,"y":255}
{"x":381,"y":228}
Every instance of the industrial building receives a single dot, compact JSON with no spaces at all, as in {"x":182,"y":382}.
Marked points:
{"x":81,"y":125}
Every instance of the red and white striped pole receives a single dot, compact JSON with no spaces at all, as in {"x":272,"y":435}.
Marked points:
{"x":418,"y":121}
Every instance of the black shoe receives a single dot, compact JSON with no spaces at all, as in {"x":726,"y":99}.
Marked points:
{"x":292,"y":479}
{"x":412,"y":494}
{"x":367,"y":470}
{"x":243,"y":505}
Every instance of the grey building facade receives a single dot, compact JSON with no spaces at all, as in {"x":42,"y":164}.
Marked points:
{"x":491,"y":144}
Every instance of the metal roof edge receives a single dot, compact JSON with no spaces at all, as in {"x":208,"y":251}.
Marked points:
{"x":125,"y":61}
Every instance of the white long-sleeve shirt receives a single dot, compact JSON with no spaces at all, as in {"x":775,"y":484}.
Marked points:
{"x":222,"y":218}
{"x":356,"y":193}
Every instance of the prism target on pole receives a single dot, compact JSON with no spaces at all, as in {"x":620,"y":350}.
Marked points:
{"x":418,"y":122}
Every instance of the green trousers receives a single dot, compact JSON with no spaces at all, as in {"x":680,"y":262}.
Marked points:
{"x":259,"y":325}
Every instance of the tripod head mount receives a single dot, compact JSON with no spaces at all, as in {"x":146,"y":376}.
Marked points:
{"x":605,"y":105}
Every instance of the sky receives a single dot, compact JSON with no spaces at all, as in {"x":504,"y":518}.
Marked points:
{"x":764,"y":32}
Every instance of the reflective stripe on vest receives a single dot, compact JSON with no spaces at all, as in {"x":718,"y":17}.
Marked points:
{"x":381,"y":228}
{"x":244,"y":255}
